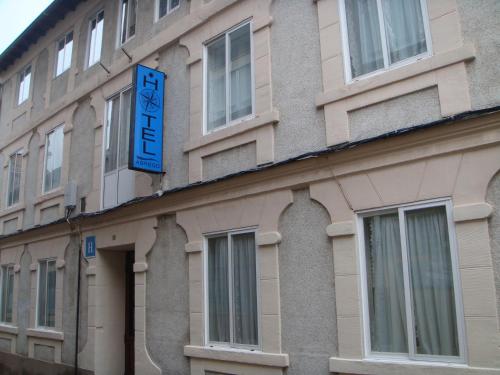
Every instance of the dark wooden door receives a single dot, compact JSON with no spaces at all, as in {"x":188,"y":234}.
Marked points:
{"x":129,"y":313}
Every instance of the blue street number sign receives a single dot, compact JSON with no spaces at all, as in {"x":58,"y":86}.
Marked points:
{"x":89,"y":246}
{"x":146,"y":121}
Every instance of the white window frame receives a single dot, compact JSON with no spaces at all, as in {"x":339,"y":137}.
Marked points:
{"x":228,"y":81}
{"x":385,"y":49}
{"x":5,"y":268}
{"x":169,"y":9}
{"x":90,"y":53}
{"x":412,"y":356}
{"x":23,"y":91}
{"x":65,"y":52}
{"x":120,"y":23}
{"x":45,"y":260}
{"x":231,"y":343}
{"x":59,"y":127}
{"x":9,"y":179}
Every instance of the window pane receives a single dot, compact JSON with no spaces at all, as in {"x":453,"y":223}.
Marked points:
{"x":27,"y":82}
{"x":42,"y":294}
{"x":174,"y":4}
{"x":245,"y":289}
{"x":111,"y":152}
{"x":384,"y":269}
{"x":98,"y":37}
{"x":60,"y":58}
{"x":51,"y":294}
{"x":124,"y":129}
{"x":404,"y":28}
{"x":162,"y":8}
{"x":218,"y":290}
{"x":216,"y":84}
{"x":241,"y":77}
{"x":131,"y":19}
{"x":124,"y":20}
{"x":431,"y":279}
{"x":68,"y":51}
{"x":15,"y":165}
{"x":92,"y":45}
{"x":9,"y":294}
{"x":363,"y":31}
{"x":53,"y":162}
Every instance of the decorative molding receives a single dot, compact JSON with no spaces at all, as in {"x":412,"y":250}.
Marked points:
{"x":91,"y":271}
{"x":60,"y":263}
{"x":475,"y":211}
{"x":140,"y":267}
{"x":268,"y":238}
{"x":237,"y":355}
{"x":193,"y":247}
{"x":45,"y":334}
{"x":11,"y":330}
{"x":346,"y":228}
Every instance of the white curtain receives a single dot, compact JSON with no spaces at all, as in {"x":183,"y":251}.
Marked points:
{"x":245,"y":289}
{"x":404,"y":28}
{"x":431,"y":279}
{"x":216,"y":84}
{"x":241,"y":80}
{"x":385,"y":284}
{"x":218,"y":290}
{"x":363,"y":30}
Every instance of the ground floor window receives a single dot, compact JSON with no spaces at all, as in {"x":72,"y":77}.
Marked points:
{"x":7,"y":293}
{"x":232,"y":289}
{"x":46,"y":308}
{"x":410,"y":287}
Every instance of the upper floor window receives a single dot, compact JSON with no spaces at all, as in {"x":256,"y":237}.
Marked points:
{"x":383,"y":33}
{"x":53,"y":159}
{"x":228,"y":82}
{"x":167,"y":6}
{"x":232,"y":289}
{"x":14,"y":185}
{"x":46,"y":303}
{"x":24,"y":84}
{"x":119,"y":181}
{"x":64,"y":52}
{"x":95,"y":38}
{"x":127,"y":19}
{"x":411,"y":286}
{"x":7,"y":293}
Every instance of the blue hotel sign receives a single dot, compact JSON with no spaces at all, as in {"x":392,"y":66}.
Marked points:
{"x":146,"y":125}
{"x":89,"y":246}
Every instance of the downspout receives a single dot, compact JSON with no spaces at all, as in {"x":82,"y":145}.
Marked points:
{"x":78,"y":287}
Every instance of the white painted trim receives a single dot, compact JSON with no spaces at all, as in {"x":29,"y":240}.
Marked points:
{"x":250,"y":116}
{"x":231,"y":344}
{"x":459,"y":310}
{"x":89,"y":37}
{"x":169,"y":10}
{"x":387,"y":65}
{"x":56,"y":54}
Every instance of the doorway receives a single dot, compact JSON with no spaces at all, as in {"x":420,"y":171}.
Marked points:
{"x":115,"y":339}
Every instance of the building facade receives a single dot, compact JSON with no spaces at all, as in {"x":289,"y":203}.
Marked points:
{"x":330,"y":201}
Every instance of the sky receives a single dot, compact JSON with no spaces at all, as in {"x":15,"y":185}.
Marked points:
{"x":16,"y":16}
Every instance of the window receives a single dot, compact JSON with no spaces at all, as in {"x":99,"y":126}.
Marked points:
{"x":53,"y":159}
{"x":14,"y":186}
{"x":7,"y":294}
{"x":232,"y":289}
{"x":167,"y":6}
{"x":379,"y":34}
{"x":119,"y":185}
{"x":46,"y":308}
{"x":95,"y":38}
{"x":228,"y":82}
{"x":127,"y":20}
{"x":411,"y":297}
{"x":64,"y":52}
{"x":24,"y":84}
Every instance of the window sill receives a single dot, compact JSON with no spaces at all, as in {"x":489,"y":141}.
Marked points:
{"x":18,"y":207}
{"x":6,"y":328}
{"x":42,"y":333}
{"x":237,"y":355}
{"x":229,"y":131}
{"x":462,"y":54}
{"x":52,"y":194}
{"x":382,"y":367}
